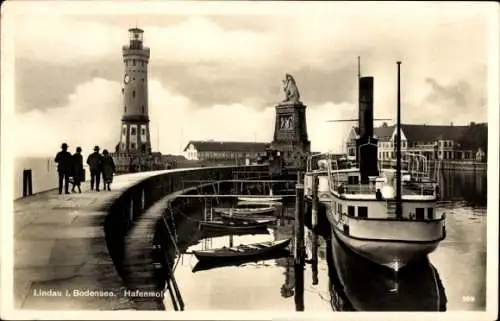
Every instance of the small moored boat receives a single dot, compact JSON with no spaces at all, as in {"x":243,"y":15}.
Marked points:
{"x":245,"y":211}
{"x":209,"y":233}
{"x":244,"y":217}
{"x":213,"y":264}
{"x":234,"y":225}
{"x":260,"y":198}
{"x":242,"y":251}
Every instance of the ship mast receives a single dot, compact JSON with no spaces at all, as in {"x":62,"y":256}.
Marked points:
{"x":399,"y":208}
{"x":359,"y":69}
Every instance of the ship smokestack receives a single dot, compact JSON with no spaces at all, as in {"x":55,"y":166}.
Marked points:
{"x":366,"y":106}
{"x":367,"y":150}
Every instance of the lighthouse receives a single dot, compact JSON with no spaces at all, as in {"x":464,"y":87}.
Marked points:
{"x":135,"y":135}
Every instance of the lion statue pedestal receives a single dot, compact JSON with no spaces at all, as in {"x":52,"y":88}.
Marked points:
{"x":290,"y":131}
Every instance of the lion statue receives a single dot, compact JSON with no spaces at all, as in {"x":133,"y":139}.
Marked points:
{"x":291,"y":91}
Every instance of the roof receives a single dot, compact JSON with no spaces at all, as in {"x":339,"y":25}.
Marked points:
{"x":429,"y":133}
{"x":383,"y":132}
{"x":469,"y":137}
{"x":219,"y":146}
{"x":426,"y":133}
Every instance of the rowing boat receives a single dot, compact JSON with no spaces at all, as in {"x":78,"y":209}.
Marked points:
{"x":244,"y":217}
{"x":260,"y":203}
{"x":205,"y":265}
{"x":234,"y":225}
{"x":241,"y":251}
{"x":244,"y":211}
{"x":260,"y":198}
{"x":220,"y":232}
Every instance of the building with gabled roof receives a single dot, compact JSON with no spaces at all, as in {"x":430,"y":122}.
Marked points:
{"x":225,"y":151}
{"x":444,"y":142}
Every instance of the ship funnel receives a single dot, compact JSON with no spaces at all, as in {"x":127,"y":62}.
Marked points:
{"x":366,"y":106}
{"x":366,"y":144}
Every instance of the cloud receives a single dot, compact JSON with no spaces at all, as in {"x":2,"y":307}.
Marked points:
{"x":211,"y":81}
{"x":93,"y":117}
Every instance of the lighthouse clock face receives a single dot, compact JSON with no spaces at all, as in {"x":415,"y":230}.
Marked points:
{"x":126,"y":79}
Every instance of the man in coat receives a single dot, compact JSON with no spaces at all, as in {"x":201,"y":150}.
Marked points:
{"x":94,"y":161}
{"x":64,"y":167}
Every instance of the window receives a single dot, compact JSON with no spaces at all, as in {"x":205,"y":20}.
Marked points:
{"x":430,"y":213}
{"x":132,"y":131}
{"x":123,"y":145}
{"x":124,"y":130}
{"x":133,"y":93}
{"x":143,"y":131}
{"x":133,"y":62}
{"x":142,"y":79}
{"x":132,"y":145}
{"x":335,"y":207}
{"x":419,"y":213}
{"x":143,"y":109}
{"x":350,"y":211}
{"x":362,"y":211}
{"x":125,"y":108}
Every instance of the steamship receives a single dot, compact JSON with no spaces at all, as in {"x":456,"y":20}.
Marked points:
{"x":369,"y":209}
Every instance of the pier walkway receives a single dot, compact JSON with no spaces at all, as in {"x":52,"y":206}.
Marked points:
{"x":60,"y":247}
{"x":91,"y":251}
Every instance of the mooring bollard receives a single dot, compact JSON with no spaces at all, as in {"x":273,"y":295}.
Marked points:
{"x":27,"y":183}
{"x":299,"y":257}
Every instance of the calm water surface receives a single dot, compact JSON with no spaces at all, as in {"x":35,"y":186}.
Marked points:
{"x":453,"y":277}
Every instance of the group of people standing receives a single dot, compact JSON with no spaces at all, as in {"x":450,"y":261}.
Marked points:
{"x":70,"y":169}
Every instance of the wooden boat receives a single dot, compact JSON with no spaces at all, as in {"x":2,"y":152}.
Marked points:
{"x":241,"y":251}
{"x":260,"y":198}
{"x":205,"y":265}
{"x":234,"y":225}
{"x":240,"y":217}
{"x":250,"y":204}
{"x":209,"y":233}
{"x":244,"y":211}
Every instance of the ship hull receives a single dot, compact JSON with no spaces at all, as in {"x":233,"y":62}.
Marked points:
{"x":393,"y":254}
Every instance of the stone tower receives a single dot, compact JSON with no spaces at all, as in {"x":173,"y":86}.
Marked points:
{"x":290,"y":130}
{"x":135,"y":136}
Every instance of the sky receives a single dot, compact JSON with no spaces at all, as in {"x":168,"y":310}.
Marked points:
{"x":215,"y":70}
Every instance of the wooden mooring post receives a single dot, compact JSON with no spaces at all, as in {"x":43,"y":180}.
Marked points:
{"x":299,"y":255}
{"x":27,"y":183}
{"x":314,"y":222}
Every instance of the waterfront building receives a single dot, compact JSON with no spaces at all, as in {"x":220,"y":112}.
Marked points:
{"x":133,"y":152}
{"x":443,"y":142}
{"x":225,"y":151}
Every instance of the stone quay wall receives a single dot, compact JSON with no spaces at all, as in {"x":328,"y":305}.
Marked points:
{"x":132,"y":217}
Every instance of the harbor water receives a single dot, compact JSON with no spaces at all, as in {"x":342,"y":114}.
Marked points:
{"x":452,"y":279}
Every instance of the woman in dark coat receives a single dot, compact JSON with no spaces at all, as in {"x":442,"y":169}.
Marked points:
{"x":77,"y":169}
{"x":108,"y":169}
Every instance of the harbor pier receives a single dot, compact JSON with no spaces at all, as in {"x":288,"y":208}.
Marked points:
{"x":92,"y":251}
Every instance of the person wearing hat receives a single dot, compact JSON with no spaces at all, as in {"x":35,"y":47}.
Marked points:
{"x":94,"y":161}
{"x":108,"y":169}
{"x":64,"y":166}
{"x":77,"y":169}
